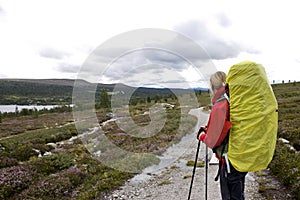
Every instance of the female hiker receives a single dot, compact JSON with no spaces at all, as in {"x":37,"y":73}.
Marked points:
{"x":216,"y":134}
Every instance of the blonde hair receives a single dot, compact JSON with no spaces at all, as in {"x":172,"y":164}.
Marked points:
{"x":217,"y":80}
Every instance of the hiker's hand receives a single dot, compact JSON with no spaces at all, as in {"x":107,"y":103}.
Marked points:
{"x":202,"y":136}
{"x":201,"y":133}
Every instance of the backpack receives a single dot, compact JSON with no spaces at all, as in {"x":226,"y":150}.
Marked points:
{"x":254,"y":117}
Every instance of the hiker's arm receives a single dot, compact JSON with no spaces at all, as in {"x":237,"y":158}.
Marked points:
{"x":217,"y":126}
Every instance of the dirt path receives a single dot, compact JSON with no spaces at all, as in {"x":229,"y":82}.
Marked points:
{"x":173,"y":182}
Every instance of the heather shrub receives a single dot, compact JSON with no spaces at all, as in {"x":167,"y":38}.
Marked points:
{"x":51,"y":139}
{"x":56,"y":186}
{"x":75,"y":175}
{"x":53,"y":163}
{"x":15,"y":179}
{"x":38,"y":141}
{"x":7,"y":161}
{"x":101,"y":182}
{"x":73,"y":131}
{"x":24,"y":152}
{"x":43,"y":148}
{"x":52,"y":187}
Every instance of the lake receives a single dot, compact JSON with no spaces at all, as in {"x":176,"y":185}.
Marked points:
{"x":12,"y":108}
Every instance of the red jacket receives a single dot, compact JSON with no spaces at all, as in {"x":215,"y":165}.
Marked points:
{"x":218,"y":123}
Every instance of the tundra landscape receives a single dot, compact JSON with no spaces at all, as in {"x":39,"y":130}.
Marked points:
{"x":43,"y":156}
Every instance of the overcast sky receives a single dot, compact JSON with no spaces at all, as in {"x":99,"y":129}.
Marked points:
{"x":53,"y":39}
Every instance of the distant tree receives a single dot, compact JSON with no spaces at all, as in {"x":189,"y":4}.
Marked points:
{"x":133,"y":101}
{"x":148,"y":99}
{"x":24,"y":111}
{"x":156,"y":98}
{"x":36,"y":112}
{"x":142,"y":101}
{"x":104,"y":99}
{"x":17,"y":111}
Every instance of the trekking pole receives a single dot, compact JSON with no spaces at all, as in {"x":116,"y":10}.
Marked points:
{"x":206,"y":170}
{"x":194,"y":170}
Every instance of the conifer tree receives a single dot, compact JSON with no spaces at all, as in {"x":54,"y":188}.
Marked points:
{"x":104,"y":99}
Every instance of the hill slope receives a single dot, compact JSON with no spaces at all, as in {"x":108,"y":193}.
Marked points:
{"x":59,"y":91}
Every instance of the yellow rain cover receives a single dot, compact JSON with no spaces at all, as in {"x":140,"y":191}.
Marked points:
{"x":254,"y":117}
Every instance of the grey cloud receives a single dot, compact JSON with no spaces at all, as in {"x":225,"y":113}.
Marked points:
{"x":1,"y":10}
{"x":133,"y":62}
{"x":152,"y":74}
{"x":223,"y":20}
{"x":195,"y":29}
{"x":165,"y":58}
{"x":217,"y":47}
{"x":149,"y":61}
{"x":67,"y":68}
{"x":52,"y":53}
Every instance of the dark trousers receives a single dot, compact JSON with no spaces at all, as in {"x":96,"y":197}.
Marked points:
{"x":232,"y":184}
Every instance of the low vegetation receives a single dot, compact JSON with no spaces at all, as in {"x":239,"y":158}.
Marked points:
{"x":286,"y":162}
{"x":41,"y":155}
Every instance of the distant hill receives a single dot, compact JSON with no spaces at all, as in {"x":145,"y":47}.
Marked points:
{"x":65,"y":82}
{"x":35,"y":91}
{"x":59,"y":91}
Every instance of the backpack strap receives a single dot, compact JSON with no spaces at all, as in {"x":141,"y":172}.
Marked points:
{"x":222,"y":159}
{"x":219,"y":170}
{"x":222,"y":98}
{"x":227,"y":97}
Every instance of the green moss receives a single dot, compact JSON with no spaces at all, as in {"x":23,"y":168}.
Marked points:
{"x":187,"y":176}
{"x":191,"y":163}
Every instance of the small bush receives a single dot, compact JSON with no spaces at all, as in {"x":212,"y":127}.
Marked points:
{"x":24,"y":152}
{"x":53,"y":163}
{"x":43,"y":147}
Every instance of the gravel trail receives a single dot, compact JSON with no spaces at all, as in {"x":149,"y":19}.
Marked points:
{"x":173,"y":181}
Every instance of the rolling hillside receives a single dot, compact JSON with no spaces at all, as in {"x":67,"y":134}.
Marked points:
{"x":59,"y":91}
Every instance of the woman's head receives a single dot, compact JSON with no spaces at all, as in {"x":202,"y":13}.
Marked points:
{"x":217,"y":80}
